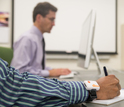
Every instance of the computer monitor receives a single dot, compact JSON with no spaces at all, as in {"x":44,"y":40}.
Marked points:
{"x":86,"y":48}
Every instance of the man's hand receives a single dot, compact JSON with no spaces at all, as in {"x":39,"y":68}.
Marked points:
{"x":109,"y":87}
{"x":58,"y":72}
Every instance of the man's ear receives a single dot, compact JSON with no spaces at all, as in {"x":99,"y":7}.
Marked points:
{"x":39,"y":17}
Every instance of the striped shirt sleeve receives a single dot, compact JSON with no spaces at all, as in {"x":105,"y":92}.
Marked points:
{"x":19,"y":90}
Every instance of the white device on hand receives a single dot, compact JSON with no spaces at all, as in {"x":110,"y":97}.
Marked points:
{"x":89,"y":85}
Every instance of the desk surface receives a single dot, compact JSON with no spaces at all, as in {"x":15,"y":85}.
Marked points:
{"x":93,"y":75}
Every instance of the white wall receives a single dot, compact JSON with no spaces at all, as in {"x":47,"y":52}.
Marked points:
{"x":69,"y":23}
{"x":5,"y":6}
{"x":114,"y":61}
{"x":122,"y":47}
{"x":121,"y":31}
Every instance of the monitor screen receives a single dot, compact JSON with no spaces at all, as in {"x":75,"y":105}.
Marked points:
{"x":86,"y":41}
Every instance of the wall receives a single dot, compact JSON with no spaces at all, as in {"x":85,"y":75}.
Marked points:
{"x":121,"y":30}
{"x":122,"y":47}
{"x":114,"y":61}
{"x":5,"y":6}
{"x":68,"y":26}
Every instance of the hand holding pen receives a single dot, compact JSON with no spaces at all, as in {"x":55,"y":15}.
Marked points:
{"x":109,"y":86}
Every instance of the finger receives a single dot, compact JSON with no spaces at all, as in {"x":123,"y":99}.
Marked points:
{"x":118,"y":93}
{"x":67,"y":70}
{"x":64,"y":72}
{"x":116,"y":78}
{"x":113,"y":77}
{"x":119,"y":86}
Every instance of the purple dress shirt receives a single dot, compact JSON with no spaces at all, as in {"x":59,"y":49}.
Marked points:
{"x":28,"y":53}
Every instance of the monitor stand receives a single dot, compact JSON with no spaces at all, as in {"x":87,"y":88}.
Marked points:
{"x":97,"y":63}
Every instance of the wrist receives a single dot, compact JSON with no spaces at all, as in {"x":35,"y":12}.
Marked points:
{"x":92,"y":95}
{"x":92,"y":87}
{"x":100,"y":95}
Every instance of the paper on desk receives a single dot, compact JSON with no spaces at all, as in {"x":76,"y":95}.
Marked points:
{"x":110,"y":101}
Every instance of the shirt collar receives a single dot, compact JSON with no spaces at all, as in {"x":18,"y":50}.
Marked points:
{"x":35,"y":30}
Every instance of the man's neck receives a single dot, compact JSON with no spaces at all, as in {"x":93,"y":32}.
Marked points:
{"x":38,"y":28}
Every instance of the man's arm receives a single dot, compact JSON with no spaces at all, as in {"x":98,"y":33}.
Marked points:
{"x":23,"y":60}
{"x":31,"y":90}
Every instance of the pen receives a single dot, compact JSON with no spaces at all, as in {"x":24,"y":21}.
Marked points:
{"x":105,"y":71}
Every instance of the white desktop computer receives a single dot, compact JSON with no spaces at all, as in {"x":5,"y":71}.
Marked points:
{"x":86,"y":48}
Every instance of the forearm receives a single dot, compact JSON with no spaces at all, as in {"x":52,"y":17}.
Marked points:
{"x":52,"y":92}
{"x":78,"y":93}
{"x":31,"y":90}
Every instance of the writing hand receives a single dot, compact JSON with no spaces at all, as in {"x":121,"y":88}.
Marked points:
{"x":109,"y":87}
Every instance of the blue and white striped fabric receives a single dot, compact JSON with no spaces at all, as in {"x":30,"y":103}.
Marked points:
{"x":27,"y":90}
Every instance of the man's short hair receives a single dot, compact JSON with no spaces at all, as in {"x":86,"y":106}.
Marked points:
{"x":43,"y":9}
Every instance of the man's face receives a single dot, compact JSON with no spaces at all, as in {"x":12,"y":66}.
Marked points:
{"x":48,"y":22}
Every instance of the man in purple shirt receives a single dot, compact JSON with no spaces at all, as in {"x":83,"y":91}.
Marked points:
{"x":29,"y":52}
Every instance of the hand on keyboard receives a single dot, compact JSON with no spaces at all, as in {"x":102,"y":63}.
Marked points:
{"x":71,"y":75}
